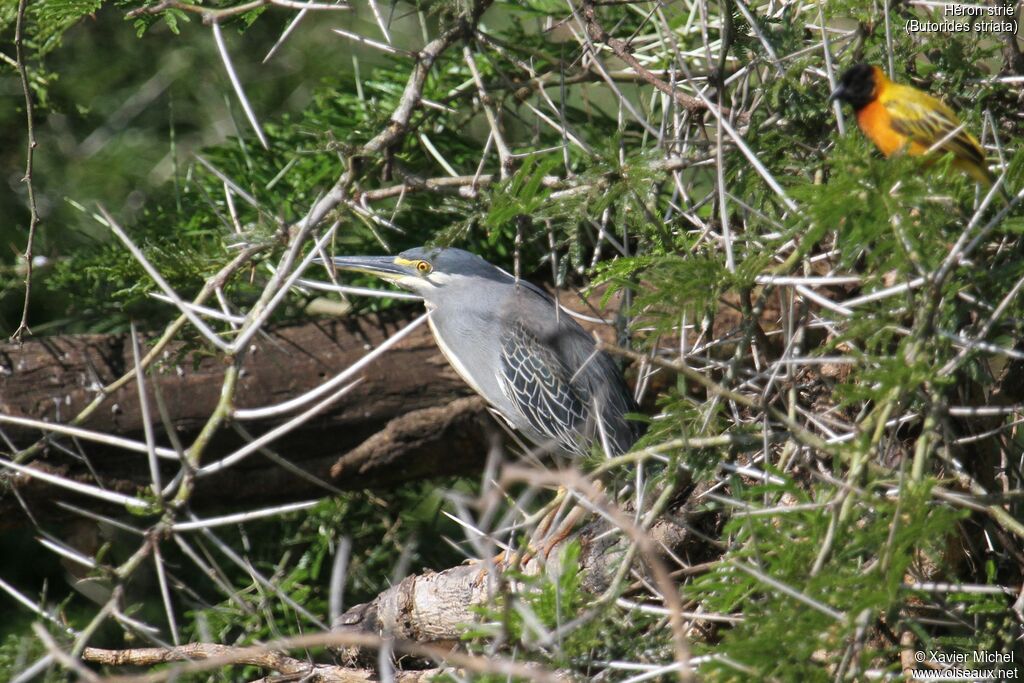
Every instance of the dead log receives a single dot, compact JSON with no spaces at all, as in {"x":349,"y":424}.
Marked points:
{"x":52,"y":379}
{"x":406,"y":410}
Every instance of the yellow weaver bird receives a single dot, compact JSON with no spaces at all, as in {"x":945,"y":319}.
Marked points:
{"x":902,"y":118}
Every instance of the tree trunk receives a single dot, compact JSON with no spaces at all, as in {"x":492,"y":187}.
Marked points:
{"x":54,"y":378}
{"x":409,"y":418}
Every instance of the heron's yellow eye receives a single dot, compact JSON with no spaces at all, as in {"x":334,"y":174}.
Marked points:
{"x":423,"y":267}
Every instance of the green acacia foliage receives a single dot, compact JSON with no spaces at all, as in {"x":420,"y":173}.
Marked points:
{"x":829,"y":541}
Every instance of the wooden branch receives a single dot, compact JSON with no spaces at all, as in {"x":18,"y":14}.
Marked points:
{"x":211,"y":15}
{"x":469,"y":186}
{"x":621,"y":49}
{"x":424,"y":616}
{"x":417,"y":442}
{"x":398,"y":124}
{"x":51,"y":379}
{"x":435,"y":607}
{"x":263,"y":658}
{"x":33,"y":209}
{"x":411,"y":417}
{"x":1013,"y":59}
{"x":198,"y":657}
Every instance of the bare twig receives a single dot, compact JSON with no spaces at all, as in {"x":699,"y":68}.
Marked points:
{"x":222,"y":49}
{"x":207,"y":656}
{"x":621,"y":49}
{"x":398,"y":125}
{"x":33,"y":220}
{"x":212,"y":15}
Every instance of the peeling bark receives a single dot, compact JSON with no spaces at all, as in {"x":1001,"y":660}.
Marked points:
{"x":435,"y":607}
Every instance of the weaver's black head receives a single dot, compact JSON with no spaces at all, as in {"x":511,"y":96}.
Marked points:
{"x":857,"y":85}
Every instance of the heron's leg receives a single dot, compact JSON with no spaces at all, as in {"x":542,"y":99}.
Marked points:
{"x":548,"y":538}
{"x":563,"y":531}
{"x":553,"y":528}
{"x":560,"y":502}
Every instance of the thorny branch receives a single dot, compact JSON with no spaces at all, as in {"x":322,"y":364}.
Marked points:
{"x":410,"y":101}
{"x":776,"y":428}
{"x":621,"y":49}
{"x":469,"y":186}
{"x":213,"y":15}
{"x":33,"y":221}
{"x":201,"y":657}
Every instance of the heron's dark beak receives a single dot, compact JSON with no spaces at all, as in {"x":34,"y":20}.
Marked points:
{"x":837,"y":94}
{"x":381,"y":266}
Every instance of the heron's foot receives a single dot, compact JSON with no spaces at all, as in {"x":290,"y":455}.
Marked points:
{"x":551,"y":543}
{"x":549,"y":535}
{"x":502,"y":559}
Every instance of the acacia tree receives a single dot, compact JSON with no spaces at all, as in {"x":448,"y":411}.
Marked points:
{"x":825,"y":343}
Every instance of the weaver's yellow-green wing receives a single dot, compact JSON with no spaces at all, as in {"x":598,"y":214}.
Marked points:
{"x":927,"y":121}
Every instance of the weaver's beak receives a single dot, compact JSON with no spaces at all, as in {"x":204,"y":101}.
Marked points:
{"x":837,"y":94}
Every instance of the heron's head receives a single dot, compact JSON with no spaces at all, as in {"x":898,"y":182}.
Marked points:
{"x":426,"y":271}
{"x":857,"y":86}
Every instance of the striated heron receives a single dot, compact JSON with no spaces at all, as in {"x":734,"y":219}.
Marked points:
{"x":513,"y":345}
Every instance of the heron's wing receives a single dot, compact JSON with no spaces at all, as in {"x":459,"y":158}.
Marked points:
{"x":926,"y":120}
{"x":540,"y":385}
